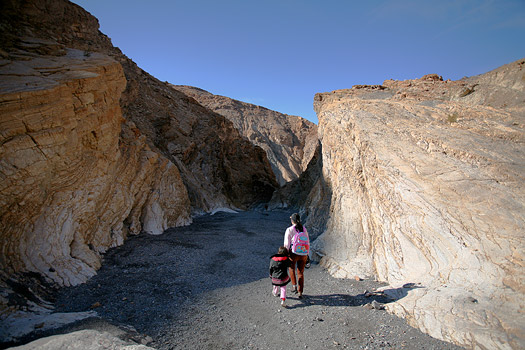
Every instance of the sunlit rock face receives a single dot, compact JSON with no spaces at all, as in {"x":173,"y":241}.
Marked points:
{"x":218,"y":166}
{"x":289,"y":141}
{"x":75,"y":179}
{"x":426,"y":182}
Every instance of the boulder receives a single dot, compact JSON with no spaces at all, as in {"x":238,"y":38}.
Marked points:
{"x":88,"y":339}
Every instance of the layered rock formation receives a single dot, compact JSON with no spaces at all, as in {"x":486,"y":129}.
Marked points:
{"x":219,"y":167}
{"x":93,"y":149}
{"x":71,"y":187}
{"x":426,"y":179}
{"x":289,"y":141}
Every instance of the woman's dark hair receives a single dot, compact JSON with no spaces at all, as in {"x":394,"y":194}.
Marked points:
{"x":282,"y":250}
{"x":296,"y":219}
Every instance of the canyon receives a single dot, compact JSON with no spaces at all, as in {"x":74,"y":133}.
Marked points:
{"x":416,"y":183}
{"x":93,"y":149}
{"x":60,"y":117}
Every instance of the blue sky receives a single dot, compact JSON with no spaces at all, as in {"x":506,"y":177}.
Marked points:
{"x":278,"y":54}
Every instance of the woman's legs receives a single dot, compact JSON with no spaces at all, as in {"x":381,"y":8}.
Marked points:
{"x":291,"y":271}
{"x":300,"y":261}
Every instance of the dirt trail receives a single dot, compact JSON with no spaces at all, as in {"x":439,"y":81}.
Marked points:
{"x":206,"y":286}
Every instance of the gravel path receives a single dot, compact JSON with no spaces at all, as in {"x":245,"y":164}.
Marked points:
{"x":206,"y":286}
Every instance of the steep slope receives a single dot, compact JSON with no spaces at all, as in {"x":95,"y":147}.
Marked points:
{"x":71,"y":188}
{"x":289,"y":141}
{"x":219,"y":167}
{"x":207,"y":150}
{"x":309,"y":194}
{"x":93,"y":149}
{"x":426,"y":180}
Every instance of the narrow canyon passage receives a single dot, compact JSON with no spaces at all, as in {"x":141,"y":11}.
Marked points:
{"x":206,"y":286}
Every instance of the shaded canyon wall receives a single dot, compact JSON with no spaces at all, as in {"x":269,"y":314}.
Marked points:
{"x":289,"y":141}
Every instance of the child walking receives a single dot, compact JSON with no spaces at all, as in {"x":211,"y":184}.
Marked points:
{"x":279,"y":264}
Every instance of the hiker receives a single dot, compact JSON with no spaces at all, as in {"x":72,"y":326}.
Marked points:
{"x":297,"y":242}
{"x":279,"y":265}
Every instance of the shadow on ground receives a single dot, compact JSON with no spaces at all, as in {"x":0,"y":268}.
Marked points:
{"x":375,"y":299}
{"x":337,"y":300}
{"x":149,"y":283}
{"x":145,"y":282}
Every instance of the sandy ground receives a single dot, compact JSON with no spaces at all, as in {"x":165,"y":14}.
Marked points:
{"x":206,"y":286}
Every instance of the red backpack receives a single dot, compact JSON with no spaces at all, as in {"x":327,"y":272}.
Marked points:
{"x":300,"y":242}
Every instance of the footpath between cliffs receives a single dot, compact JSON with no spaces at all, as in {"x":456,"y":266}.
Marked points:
{"x":206,"y":286}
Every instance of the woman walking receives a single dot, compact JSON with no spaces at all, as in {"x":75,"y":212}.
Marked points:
{"x":297,"y":242}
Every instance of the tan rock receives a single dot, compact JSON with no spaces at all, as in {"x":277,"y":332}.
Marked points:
{"x":71,"y":187}
{"x":198,"y":141}
{"x":95,"y":305}
{"x":428,"y":188}
{"x":310,"y":193}
{"x":289,"y":141}
{"x":85,"y":164}
{"x":219,"y":167}
{"x":87,"y":339}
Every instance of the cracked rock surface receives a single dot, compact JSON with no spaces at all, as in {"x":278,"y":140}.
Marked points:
{"x":426,"y":182}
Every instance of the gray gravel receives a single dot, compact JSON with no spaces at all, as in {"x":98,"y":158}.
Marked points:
{"x":206,"y":286}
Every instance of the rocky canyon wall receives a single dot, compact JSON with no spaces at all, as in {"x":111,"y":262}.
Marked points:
{"x":426,"y":182}
{"x":75,"y":179}
{"x":220,"y":168}
{"x":310,"y":194}
{"x":93,"y":149}
{"x":208,"y":151}
{"x":289,"y":141}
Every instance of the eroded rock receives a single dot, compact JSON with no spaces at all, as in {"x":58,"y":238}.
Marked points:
{"x":93,"y":149}
{"x":71,"y":188}
{"x":289,"y":141}
{"x":427,"y":187}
